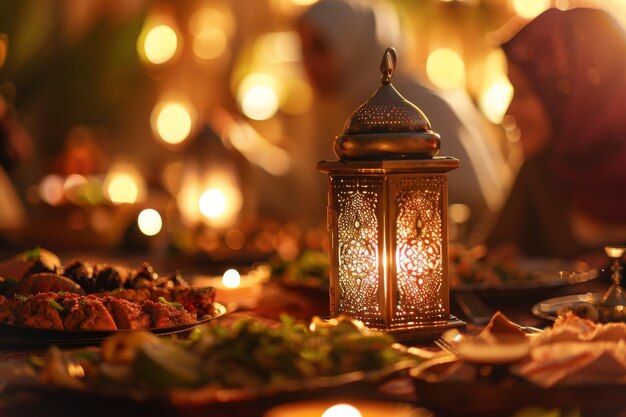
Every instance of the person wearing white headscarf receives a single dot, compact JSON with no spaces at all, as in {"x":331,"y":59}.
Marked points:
{"x":343,"y":42}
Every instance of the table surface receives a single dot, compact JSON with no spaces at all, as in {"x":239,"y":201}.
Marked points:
{"x":302,"y":303}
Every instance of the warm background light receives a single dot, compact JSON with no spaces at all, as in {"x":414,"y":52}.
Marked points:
{"x":259,"y":102}
{"x":172,"y":122}
{"x":218,"y":198}
{"x":231,"y":278}
{"x":211,"y":17}
{"x":279,"y":47}
{"x":303,"y":2}
{"x":209,"y":43}
{"x":258,"y":96}
{"x":51,"y":189}
{"x":495,"y":99}
{"x":530,"y":8}
{"x":124,"y":184}
{"x":257,"y":149}
{"x":122,"y":189}
{"x":445,"y":69}
{"x":4,"y":48}
{"x":149,"y":222}
{"x":212,"y":203}
{"x":342,"y":410}
{"x":160,"y":44}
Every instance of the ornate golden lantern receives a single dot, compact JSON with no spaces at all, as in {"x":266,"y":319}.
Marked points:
{"x":387,"y":217}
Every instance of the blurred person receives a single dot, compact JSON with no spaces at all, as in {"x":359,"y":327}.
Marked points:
{"x":568,"y":70}
{"x":343,"y":42}
{"x":15,"y":147}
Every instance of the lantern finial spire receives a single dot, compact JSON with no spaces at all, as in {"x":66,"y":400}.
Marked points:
{"x":388,"y":65}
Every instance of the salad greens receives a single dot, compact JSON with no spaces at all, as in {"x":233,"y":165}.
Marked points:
{"x":248,"y":354}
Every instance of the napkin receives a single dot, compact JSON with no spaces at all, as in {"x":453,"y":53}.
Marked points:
{"x":577,"y":351}
{"x":571,"y":328}
{"x":574,"y":363}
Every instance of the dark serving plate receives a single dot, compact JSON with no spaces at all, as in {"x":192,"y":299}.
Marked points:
{"x":487,"y":397}
{"x":546,"y":275}
{"x":13,"y":334}
{"x":51,"y":400}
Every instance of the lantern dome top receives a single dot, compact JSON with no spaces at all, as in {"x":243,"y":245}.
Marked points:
{"x":387,"y":126}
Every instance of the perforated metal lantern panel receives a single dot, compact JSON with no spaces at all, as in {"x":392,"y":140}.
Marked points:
{"x":388,"y":224}
{"x":387,"y":216}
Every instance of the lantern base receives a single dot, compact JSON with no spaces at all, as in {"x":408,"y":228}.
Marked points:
{"x":427,"y":331}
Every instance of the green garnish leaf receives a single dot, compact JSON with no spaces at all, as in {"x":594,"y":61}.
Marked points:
{"x":170,"y":303}
{"x":55,"y":305}
{"x":31,"y":255}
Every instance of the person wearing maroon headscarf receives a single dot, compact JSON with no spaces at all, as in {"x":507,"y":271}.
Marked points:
{"x":568,"y":70}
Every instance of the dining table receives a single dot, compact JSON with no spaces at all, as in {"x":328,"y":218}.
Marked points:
{"x":275,"y":300}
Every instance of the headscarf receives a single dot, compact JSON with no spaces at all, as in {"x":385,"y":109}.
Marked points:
{"x":358,"y":31}
{"x":576,"y":61}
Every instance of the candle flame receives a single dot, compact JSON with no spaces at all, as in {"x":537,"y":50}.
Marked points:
{"x":231,"y":278}
{"x":342,"y":410}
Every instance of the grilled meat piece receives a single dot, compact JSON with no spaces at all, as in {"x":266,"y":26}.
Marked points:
{"x":198,"y":301}
{"x":41,"y":265}
{"x":166,"y":315}
{"x":171,"y":281}
{"x":30,"y":262}
{"x":108,"y":278}
{"x":80,"y":272}
{"x":43,"y":283}
{"x":143,"y":277}
{"x":127,"y":315}
{"x":5,"y":310}
{"x":39,"y":311}
{"x":86,"y":313}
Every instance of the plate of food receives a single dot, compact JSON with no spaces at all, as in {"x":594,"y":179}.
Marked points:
{"x":43,"y":301}
{"x":250,"y":361}
{"x":471,"y":270}
{"x":582,"y":305}
{"x":573,"y":365}
{"x":310,"y":270}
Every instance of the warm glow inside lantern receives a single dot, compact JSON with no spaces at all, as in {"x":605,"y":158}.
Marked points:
{"x":387,"y":217}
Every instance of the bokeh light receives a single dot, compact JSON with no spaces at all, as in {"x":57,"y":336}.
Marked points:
{"x":211,"y":17}
{"x":160,"y":44}
{"x":277,"y":47}
{"x":529,"y":9}
{"x":172,"y":122}
{"x":149,"y":222}
{"x":124,"y":184}
{"x":258,"y":96}
{"x":445,"y":68}
{"x":561,"y":4}
{"x":51,"y":189}
{"x":220,"y":199}
{"x":304,"y":2}
{"x":459,"y":213}
{"x":231,"y":278}
{"x":122,"y":189}
{"x":209,"y":43}
{"x":212,"y":203}
{"x":4,"y":49}
{"x":495,"y":99}
{"x":235,"y":239}
{"x":342,"y":410}
{"x":259,"y":102}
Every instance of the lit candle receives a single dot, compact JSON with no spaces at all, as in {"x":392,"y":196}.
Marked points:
{"x":235,"y":290}
{"x":358,"y":408}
